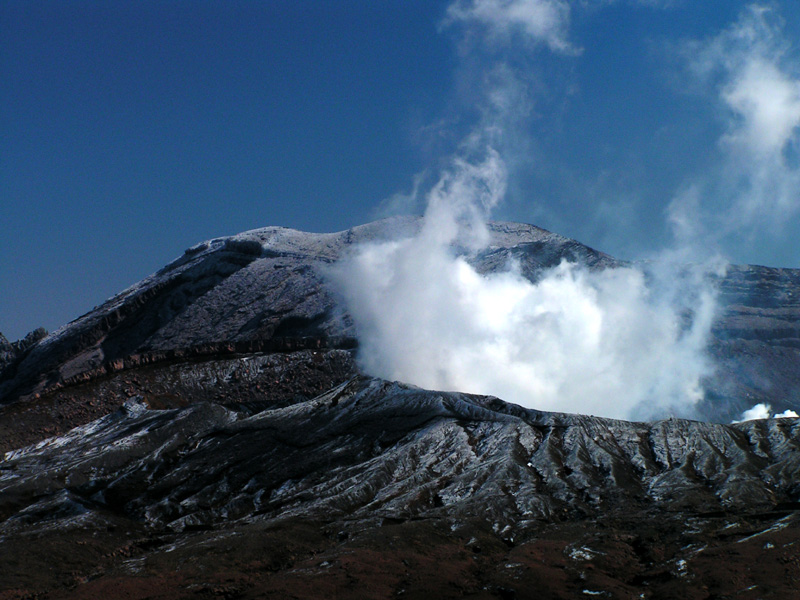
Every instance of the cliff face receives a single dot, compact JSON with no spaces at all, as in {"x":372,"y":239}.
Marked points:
{"x":206,"y":432}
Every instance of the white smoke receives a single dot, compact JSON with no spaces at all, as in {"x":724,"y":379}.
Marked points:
{"x":764,"y":411}
{"x":612,"y":343}
{"x":625,"y":342}
{"x":754,"y":187}
{"x":537,"y":21}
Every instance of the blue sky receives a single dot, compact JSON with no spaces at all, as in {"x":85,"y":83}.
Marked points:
{"x":132,"y":130}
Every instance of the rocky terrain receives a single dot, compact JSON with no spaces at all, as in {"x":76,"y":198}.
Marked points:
{"x":206,"y":434}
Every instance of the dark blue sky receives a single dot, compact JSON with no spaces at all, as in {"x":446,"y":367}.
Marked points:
{"x":132,"y":130}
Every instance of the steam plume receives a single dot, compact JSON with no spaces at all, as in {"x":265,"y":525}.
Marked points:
{"x":754,"y":186}
{"x":597,"y":342}
{"x":536,"y":21}
{"x":764,"y":411}
{"x":626,"y":342}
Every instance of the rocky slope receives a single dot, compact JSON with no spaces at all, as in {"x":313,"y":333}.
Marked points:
{"x":504,"y":495}
{"x":206,"y":433}
{"x":249,"y":292}
{"x":266,"y":290}
{"x":262,"y":291}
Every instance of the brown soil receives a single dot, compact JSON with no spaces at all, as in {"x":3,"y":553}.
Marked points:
{"x":720,"y":557}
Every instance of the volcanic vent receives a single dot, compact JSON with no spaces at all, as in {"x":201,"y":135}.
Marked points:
{"x":209,"y":431}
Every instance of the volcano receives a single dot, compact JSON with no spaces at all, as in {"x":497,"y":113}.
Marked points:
{"x":207,"y":433}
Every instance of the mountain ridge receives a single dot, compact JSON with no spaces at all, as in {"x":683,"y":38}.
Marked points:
{"x":378,"y":469}
{"x":83,"y":344}
{"x":267,"y":288}
{"x":208,"y":433}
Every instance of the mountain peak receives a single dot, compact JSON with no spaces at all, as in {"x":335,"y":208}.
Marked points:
{"x":209,"y":430}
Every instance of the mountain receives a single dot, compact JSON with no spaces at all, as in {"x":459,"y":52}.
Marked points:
{"x":206,"y":433}
{"x":262,"y":291}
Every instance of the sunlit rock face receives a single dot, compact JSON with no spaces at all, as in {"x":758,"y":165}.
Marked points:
{"x":210,"y":431}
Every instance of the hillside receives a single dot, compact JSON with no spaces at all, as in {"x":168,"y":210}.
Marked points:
{"x":207,"y":433}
